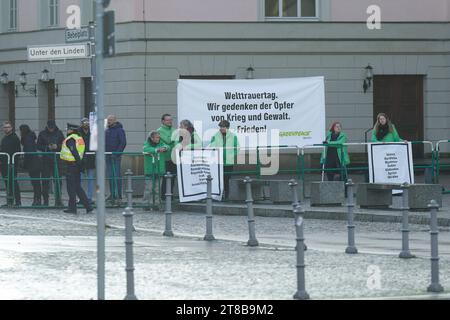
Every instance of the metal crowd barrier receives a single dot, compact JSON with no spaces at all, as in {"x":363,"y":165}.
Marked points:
{"x":282,"y":147}
{"x":346,"y":171}
{"x":152,"y":183}
{"x":439,"y":165}
{"x":54,"y":176}
{"x":154,"y":180}
{"x":6,"y":179}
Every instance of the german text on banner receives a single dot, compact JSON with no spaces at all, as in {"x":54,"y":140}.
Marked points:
{"x":391,"y":163}
{"x":193,"y":167}
{"x":287,"y":111}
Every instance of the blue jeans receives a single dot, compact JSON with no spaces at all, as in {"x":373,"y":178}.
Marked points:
{"x":114,"y":175}
{"x":89,"y":174}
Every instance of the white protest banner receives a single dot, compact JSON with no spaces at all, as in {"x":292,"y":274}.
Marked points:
{"x":390,"y":163}
{"x":193,"y":167}
{"x":292,"y":109}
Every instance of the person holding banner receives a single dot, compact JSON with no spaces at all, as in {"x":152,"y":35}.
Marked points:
{"x":188,"y":137}
{"x":154,"y":162}
{"x":335,"y":155}
{"x":227,"y":140}
{"x":384,"y":130}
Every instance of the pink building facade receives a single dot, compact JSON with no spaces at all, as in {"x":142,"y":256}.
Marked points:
{"x":36,"y":14}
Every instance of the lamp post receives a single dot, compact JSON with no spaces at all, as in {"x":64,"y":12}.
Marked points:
{"x":368,"y":80}
{"x":44,"y":76}
{"x":250,"y":71}
{"x":23,"y":83}
{"x":4,"y":78}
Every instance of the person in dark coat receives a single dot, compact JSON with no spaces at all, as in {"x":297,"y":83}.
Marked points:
{"x":89,"y":159}
{"x":10,"y":144}
{"x":115,"y":141}
{"x":50,"y":140}
{"x":32,"y":163}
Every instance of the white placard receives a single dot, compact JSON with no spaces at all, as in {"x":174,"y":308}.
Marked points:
{"x":391,"y":163}
{"x":292,"y":109}
{"x":58,"y":52}
{"x":193,"y":167}
{"x":93,"y":145}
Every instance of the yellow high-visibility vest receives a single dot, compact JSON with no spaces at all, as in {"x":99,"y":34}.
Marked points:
{"x":65,"y":151}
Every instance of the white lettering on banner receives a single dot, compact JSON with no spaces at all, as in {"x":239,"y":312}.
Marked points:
{"x":293,"y":108}
{"x":390,"y":163}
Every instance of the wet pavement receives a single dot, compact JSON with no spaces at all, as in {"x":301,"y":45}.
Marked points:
{"x":46,"y":254}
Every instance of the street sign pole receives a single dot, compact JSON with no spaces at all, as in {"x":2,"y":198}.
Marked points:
{"x":93,"y":70}
{"x":100,"y":151}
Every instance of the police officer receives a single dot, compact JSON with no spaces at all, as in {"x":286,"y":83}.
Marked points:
{"x":72,"y":152}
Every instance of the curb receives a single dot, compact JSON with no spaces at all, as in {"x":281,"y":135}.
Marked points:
{"x":241,"y":210}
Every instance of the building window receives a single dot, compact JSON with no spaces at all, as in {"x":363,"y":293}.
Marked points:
{"x":291,"y":8}
{"x":54,"y":13}
{"x":12,"y":14}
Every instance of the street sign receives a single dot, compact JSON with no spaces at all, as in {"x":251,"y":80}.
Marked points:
{"x":77,"y":35}
{"x":58,"y":52}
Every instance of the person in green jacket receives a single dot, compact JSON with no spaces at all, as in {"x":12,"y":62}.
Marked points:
{"x":167,"y":133}
{"x":384,"y":130}
{"x":154,"y":162}
{"x":335,"y":155}
{"x":188,"y":137}
{"x":227,"y":140}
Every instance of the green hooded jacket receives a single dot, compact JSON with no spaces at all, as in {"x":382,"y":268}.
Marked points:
{"x":341,"y":151}
{"x":166,"y":137}
{"x":230,"y":141}
{"x":154,"y":162}
{"x":196,"y":145}
{"x":390,"y":137}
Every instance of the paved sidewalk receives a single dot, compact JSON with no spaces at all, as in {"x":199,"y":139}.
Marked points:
{"x":58,"y":251}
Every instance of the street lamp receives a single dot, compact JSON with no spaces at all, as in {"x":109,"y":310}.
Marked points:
{"x":368,"y":80}
{"x":23,"y":83}
{"x":250,"y":71}
{"x":44,"y":76}
{"x":4,"y":78}
{"x":46,"y":79}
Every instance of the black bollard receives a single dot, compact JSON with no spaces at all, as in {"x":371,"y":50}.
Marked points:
{"x":168,"y":206}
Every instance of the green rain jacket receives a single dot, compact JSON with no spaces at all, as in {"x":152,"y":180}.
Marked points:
{"x":390,"y":137}
{"x":166,"y":138}
{"x":342,"y":151}
{"x":196,"y":145}
{"x":230,"y":141}
{"x":154,"y":162}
